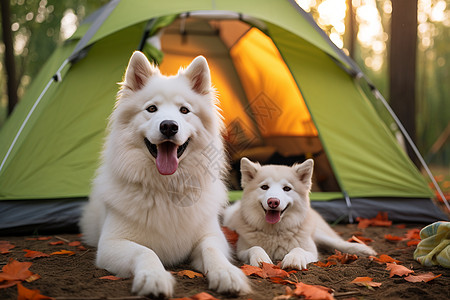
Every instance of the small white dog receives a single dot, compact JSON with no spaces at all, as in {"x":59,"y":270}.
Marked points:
{"x":158,"y":192}
{"x":274,"y":219}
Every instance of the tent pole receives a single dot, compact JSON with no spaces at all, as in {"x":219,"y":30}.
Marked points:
{"x":380,"y":97}
{"x":349,"y":206}
{"x":55,"y":78}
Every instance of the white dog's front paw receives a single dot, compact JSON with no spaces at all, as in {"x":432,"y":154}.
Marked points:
{"x":152,"y":282}
{"x":298,"y":259}
{"x":257,"y":255}
{"x":229,"y":280}
{"x":361,"y":250}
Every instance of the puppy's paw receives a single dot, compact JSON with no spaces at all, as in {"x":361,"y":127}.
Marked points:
{"x":362,"y":250}
{"x":298,"y":259}
{"x":153,"y":282}
{"x":229,"y":280}
{"x":257,"y":255}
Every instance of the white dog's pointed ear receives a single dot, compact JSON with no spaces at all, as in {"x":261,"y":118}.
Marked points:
{"x":138,"y":71}
{"x":248,"y":170}
{"x":199,"y":75}
{"x":304,"y":172}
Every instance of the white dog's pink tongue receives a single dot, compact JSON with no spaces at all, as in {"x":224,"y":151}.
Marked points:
{"x":167,"y":160}
{"x":272,"y":216}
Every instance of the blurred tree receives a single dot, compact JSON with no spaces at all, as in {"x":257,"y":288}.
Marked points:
{"x":402,"y":66}
{"x":38,"y":27}
{"x":10,"y":65}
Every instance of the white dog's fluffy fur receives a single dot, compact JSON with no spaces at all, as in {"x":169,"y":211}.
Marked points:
{"x":274,"y":219}
{"x":141,"y":220}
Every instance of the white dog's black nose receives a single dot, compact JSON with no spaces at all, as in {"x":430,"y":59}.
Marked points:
{"x":273,"y":203}
{"x":168,"y":128}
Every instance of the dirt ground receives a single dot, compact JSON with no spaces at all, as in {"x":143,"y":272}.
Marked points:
{"x":67,"y":277}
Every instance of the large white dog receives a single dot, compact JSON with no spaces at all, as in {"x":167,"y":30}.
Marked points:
{"x":158,"y":192}
{"x":274,"y":219}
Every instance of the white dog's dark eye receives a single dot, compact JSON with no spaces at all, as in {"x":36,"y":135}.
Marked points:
{"x":152,"y":108}
{"x":286,"y":189}
{"x":265,"y":187}
{"x":184,"y":110}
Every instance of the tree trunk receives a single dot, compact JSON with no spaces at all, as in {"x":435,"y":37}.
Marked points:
{"x":11,"y":79}
{"x":403,"y":65}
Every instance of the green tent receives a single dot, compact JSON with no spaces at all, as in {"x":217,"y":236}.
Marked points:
{"x":286,"y":92}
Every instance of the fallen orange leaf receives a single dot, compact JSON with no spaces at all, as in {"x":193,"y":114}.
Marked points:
{"x":231,"y":235}
{"x":365,"y":281}
{"x":34,"y":254}
{"x":413,"y":243}
{"x":252,"y":270}
{"x":384,"y":258}
{"x":75,"y":243}
{"x":203,"y":296}
{"x":199,"y":296}
{"x":110,"y":277}
{"x":5,"y":246}
{"x":41,"y":238}
{"x":343,"y":258}
{"x":391,"y":237}
{"x":413,"y":234}
{"x":15,"y":270}
{"x":380,"y":220}
{"x":425,"y":277}
{"x":325,"y":265}
{"x":273,"y":271}
{"x":312,"y":291}
{"x":63,"y":252}
{"x":360,"y":239}
{"x":56,"y":243}
{"x":398,"y":270}
{"x":189,"y":273}
{"x":27,"y":294}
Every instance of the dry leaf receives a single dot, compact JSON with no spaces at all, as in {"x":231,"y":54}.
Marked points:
{"x":75,"y":243}
{"x":384,"y":259}
{"x":380,"y":220}
{"x":203,"y":296}
{"x":5,"y":246}
{"x":366,"y":281}
{"x":252,"y":270}
{"x":398,"y":270}
{"x":343,"y":258}
{"x":360,"y":239}
{"x":56,"y":243}
{"x":34,"y":254}
{"x":199,"y":296}
{"x":27,"y":294}
{"x":325,"y":265}
{"x":273,"y":271}
{"x":413,"y":234}
{"x":392,"y":238}
{"x":413,"y":243}
{"x":312,"y":291}
{"x":425,"y":277}
{"x":15,"y":270}
{"x":110,"y":277}
{"x":231,"y":235}
{"x":189,"y":273}
{"x":63,"y":252}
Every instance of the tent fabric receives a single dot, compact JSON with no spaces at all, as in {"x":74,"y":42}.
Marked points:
{"x":286,"y":94}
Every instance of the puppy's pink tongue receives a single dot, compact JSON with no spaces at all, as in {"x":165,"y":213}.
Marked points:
{"x":167,"y":160}
{"x":272,"y":216}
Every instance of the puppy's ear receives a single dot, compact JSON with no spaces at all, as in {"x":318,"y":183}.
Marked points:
{"x":138,"y":71}
{"x":199,"y":75}
{"x":304,"y":172}
{"x":248,"y":171}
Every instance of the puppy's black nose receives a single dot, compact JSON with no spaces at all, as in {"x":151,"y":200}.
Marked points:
{"x":168,"y":127}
